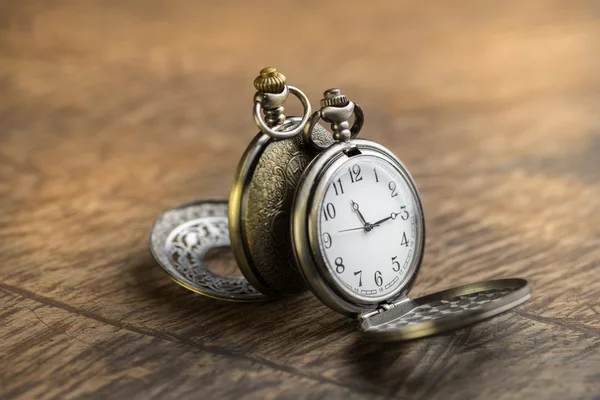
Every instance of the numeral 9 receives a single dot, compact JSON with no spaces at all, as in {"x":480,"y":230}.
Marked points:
{"x":327,"y":240}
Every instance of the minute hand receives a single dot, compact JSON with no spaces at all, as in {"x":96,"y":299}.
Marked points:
{"x":392,"y":216}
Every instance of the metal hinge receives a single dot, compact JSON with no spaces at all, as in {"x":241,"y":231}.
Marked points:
{"x":383,"y":307}
{"x":352,"y":151}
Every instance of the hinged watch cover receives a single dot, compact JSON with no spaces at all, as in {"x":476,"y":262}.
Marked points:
{"x":446,"y":310}
{"x":179,"y":241}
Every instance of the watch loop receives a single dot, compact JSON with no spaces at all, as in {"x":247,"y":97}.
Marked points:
{"x":337,"y":110}
{"x":273,"y":91}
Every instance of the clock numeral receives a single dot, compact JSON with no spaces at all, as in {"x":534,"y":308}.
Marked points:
{"x":359,"y":273}
{"x":404,"y":241}
{"x":339,"y":265}
{"x":405,"y":213}
{"x":395,"y":264}
{"x":327,"y":240}
{"x":378,"y":278}
{"x":392,"y":187}
{"x":375,"y":172}
{"x":354,"y":172}
{"x":338,"y":184}
{"x":329,"y":211}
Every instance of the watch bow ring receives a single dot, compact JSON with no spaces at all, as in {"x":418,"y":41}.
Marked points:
{"x":337,"y":110}
{"x":272,"y":93}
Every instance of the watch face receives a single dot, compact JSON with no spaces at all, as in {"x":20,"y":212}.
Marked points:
{"x":368,"y":228}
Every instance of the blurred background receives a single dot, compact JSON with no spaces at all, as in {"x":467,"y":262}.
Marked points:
{"x":175,"y":76}
{"x":111,"y":111}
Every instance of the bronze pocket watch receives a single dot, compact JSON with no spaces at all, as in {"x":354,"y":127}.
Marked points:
{"x":256,"y":220}
{"x":263,"y":188}
{"x":338,"y":215}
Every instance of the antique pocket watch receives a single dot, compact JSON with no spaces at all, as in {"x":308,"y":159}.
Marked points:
{"x":263,"y":188}
{"x":256,"y":220}
{"x":358,"y":234}
{"x":338,"y":215}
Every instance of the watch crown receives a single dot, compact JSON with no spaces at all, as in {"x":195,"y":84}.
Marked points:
{"x":270,"y":81}
{"x":335,"y":98}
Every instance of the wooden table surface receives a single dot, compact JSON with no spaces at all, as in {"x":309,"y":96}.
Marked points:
{"x":111,"y":112}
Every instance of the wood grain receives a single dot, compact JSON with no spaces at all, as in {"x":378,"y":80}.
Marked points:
{"x":112,"y":111}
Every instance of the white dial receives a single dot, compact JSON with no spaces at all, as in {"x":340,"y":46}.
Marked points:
{"x":368,"y":228}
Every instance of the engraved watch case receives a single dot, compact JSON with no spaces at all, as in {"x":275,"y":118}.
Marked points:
{"x":256,"y":220}
{"x":260,"y":205}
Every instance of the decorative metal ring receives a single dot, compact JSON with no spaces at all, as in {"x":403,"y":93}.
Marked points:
{"x":359,"y":119}
{"x":277,"y":132}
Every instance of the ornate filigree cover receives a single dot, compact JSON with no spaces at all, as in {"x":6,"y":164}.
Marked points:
{"x":180,"y":239}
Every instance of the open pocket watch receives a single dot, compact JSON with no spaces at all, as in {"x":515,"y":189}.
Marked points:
{"x":358,"y":234}
{"x":338,"y":215}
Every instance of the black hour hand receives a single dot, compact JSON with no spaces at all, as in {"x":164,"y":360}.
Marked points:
{"x":392,"y":216}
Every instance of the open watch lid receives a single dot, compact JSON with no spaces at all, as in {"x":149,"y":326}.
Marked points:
{"x":444,"y":311}
{"x":180,"y":240}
